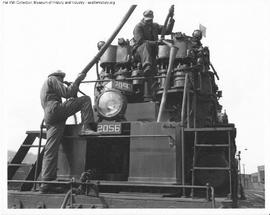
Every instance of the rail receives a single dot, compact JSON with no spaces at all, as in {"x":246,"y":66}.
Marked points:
{"x":171,"y":142}
{"x":143,"y":78}
{"x":73,"y":183}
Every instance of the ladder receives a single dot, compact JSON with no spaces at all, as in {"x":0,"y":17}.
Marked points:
{"x":224,"y":142}
{"x":16,"y":162}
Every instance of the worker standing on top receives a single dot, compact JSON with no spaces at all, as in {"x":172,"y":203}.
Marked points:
{"x":146,"y":41}
{"x":55,"y":116}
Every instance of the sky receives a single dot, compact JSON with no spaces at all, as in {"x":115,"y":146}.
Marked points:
{"x":38,"y":39}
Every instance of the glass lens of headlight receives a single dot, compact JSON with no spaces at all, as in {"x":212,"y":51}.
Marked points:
{"x":110,"y":104}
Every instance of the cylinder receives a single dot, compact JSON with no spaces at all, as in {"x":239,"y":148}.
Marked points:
{"x":161,"y":81}
{"x":163,"y":52}
{"x":123,"y":54}
{"x":137,"y":73}
{"x":179,"y":79}
{"x":109,"y":56}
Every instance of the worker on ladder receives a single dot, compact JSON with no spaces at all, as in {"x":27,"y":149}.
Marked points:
{"x":55,"y":116}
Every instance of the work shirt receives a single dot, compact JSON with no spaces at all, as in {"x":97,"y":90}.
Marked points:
{"x":144,"y":31}
{"x":149,"y":31}
{"x":52,"y":92}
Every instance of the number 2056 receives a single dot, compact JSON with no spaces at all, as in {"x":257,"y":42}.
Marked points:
{"x":109,"y":128}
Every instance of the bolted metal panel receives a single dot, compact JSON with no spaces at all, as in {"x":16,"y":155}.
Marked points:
{"x":154,"y":159}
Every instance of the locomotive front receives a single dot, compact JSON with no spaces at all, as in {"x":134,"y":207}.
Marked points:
{"x":192,"y":143}
{"x":160,"y":135}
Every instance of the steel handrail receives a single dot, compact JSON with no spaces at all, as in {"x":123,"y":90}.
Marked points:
{"x":207,"y":187}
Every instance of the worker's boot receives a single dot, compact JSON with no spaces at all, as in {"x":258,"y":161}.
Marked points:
{"x":51,"y":188}
{"x":86,"y":130}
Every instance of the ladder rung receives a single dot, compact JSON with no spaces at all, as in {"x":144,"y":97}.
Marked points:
{"x":211,"y":168}
{"x":32,"y":145}
{"x":212,"y":145}
{"x":19,"y":164}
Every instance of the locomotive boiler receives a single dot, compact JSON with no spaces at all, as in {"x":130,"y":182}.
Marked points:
{"x":165,"y":134}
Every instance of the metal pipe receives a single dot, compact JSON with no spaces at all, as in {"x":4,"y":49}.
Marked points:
{"x":230,"y":163}
{"x":213,"y":196}
{"x":194,"y":161}
{"x":183,"y":158}
{"x":124,"y":136}
{"x":215,"y":72}
{"x":116,"y":183}
{"x":66,"y":198}
{"x":188,"y":108}
{"x":98,"y":77}
{"x":195,"y":110}
{"x":111,"y":38}
{"x":182,"y":131}
{"x":129,"y":79}
{"x":173,"y":52}
{"x":184,"y":100}
{"x":170,"y":15}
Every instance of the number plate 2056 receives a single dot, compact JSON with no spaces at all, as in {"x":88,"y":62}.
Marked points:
{"x":109,"y":128}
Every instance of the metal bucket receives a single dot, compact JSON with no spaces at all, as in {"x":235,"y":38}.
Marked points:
{"x":163,"y":52}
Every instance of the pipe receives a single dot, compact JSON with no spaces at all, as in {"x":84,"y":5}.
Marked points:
{"x":182,"y":130}
{"x":173,"y":52}
{"x":111,"y":38}
{"x":213,"y":197}
{"x":66,"y":198}
{"x":215,"y":72}
{"x":184,"y":100}
{"x":142,"y":78}
{"x":170,"y":15}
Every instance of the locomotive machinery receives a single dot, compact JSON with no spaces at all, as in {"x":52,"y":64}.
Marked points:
{"x":188,"y":140}
{"x":164,"y":133}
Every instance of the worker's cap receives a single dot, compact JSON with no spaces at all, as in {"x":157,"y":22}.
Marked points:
{"x":58,"y":73}
{"x":148,"y":14}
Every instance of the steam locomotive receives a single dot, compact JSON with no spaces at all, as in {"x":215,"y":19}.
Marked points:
{"x":152,"y":153}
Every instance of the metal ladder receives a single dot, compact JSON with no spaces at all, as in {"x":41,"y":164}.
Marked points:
{"x":16,"y":162}
{"x":197,"y":145}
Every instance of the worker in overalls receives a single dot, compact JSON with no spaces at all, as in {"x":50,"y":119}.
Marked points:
{"x":145,"y":47}
{"x":56,"y":113}
{"x":146,"y":41}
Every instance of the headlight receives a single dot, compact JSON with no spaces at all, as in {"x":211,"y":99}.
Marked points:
{"x":111,"y":103}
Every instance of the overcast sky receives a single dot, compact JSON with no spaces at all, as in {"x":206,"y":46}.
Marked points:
{"x":37,"y":39}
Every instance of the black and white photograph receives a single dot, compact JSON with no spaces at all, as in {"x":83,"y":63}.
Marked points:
{"x":135,"y":107}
